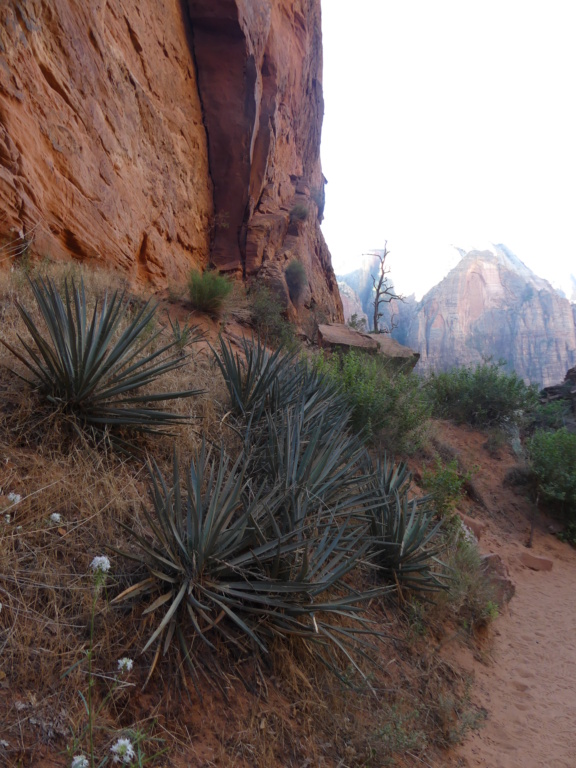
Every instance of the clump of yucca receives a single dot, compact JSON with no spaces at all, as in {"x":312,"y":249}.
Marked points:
{"x":93,"y":368}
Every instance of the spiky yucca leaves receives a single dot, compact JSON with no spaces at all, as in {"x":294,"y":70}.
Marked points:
{"x":185,"y":334}
{"x":262,"y":383}
{"x":315,"y":462}
{"x":251,"y":376}
{"x":218,"y":566}
{"x":402,"y":530}
{"x":87,"y":368}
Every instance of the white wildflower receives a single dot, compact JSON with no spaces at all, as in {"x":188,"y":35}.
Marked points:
{"x":125,"y":664}
{"x":123,"y":751}
{"x":79,"y":761}
{"x":56,"y":517}
{"x":15,"y":498}
{"x":7,"y":518}
{"x":100,"y":564}
{"x":4,"y":743}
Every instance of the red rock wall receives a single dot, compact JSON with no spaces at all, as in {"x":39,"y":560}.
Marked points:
{"x":102,"y":144}
{"x":265,"y":160}
{"x":157,"y":135}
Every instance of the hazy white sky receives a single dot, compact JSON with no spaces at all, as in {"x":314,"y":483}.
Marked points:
{"x":450,"y":122}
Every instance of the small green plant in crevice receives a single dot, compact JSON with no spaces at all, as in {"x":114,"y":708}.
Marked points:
{"x":296,"y":280}
{"x":445,"y":484}
{"x":471,"y":598}
{"x":299,"y":212}
{"x":208,"y":290}
{"x":91,"y":366}
{"x":552,"y":457}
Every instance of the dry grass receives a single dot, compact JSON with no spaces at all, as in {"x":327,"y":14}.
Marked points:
{"x":291,"y":713}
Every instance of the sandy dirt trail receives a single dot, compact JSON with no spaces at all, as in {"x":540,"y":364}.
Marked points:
{"x":529,"y":689}
{"x":528,"y":684}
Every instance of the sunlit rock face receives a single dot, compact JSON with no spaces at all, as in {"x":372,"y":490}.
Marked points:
{"x":492,"y":305}
{"x":157,"y":135}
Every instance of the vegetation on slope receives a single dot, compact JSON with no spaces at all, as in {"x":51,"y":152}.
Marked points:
{"x":278,"y":554}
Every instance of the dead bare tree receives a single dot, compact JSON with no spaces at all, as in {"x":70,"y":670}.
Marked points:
{"x":384,"y":291}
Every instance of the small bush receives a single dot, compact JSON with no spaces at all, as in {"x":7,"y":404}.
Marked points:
{"x":296,"y":280}
{"x":553,"y":460}
{"x":299,"y":212}
{"x":208,"y":290}
{"x":481,"y":396}
{"x":389,"y":405}
{"x":445,"y":484}
{"x":357,"y":323}
{"x":267,"y":316}
{"x":471,"y":597}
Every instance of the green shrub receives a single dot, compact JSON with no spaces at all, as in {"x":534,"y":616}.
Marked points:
{"x":552,"y":415}
{"x":391,"y":406}
{"x":299,"y":212}
{"x":553,"y":460}
{"x":208,"y":290}
{"x":445,"y":484}
{"x":482,"y":396}
{"x":357,"y":323}
{"x":91,"y":371}
{"x":471,"y":597}
{"x":266,"y":312}
{"x":296,"y":280}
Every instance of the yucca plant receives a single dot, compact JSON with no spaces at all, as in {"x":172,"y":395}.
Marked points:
{"x":316,"y":464}
{"x":252,"y":376}
{"x":185,"y":334}
{"x":89,"y":369}
{"x":402,"y":544}
{"x":403,"y":530}
{"x":261,"y":381}
{"x":219,"y":567}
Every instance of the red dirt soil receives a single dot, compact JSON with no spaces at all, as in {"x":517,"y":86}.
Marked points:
{"x":527,"y":685}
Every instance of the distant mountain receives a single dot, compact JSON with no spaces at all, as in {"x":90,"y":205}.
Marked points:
{"x":492,"y":304}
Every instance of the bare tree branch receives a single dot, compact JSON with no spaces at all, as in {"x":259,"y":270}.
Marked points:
{"x":384,"y":291}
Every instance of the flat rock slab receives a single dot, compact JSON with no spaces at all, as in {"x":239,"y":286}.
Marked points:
{"x":340,"y":335}
{"x":536,"y":563}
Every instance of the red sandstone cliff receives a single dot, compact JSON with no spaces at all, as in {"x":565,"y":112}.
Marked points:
{"x":157,"y":135}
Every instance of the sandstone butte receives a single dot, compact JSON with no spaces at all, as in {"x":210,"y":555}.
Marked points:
{"x":492,"y":305}
{"x":160,"y":135}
